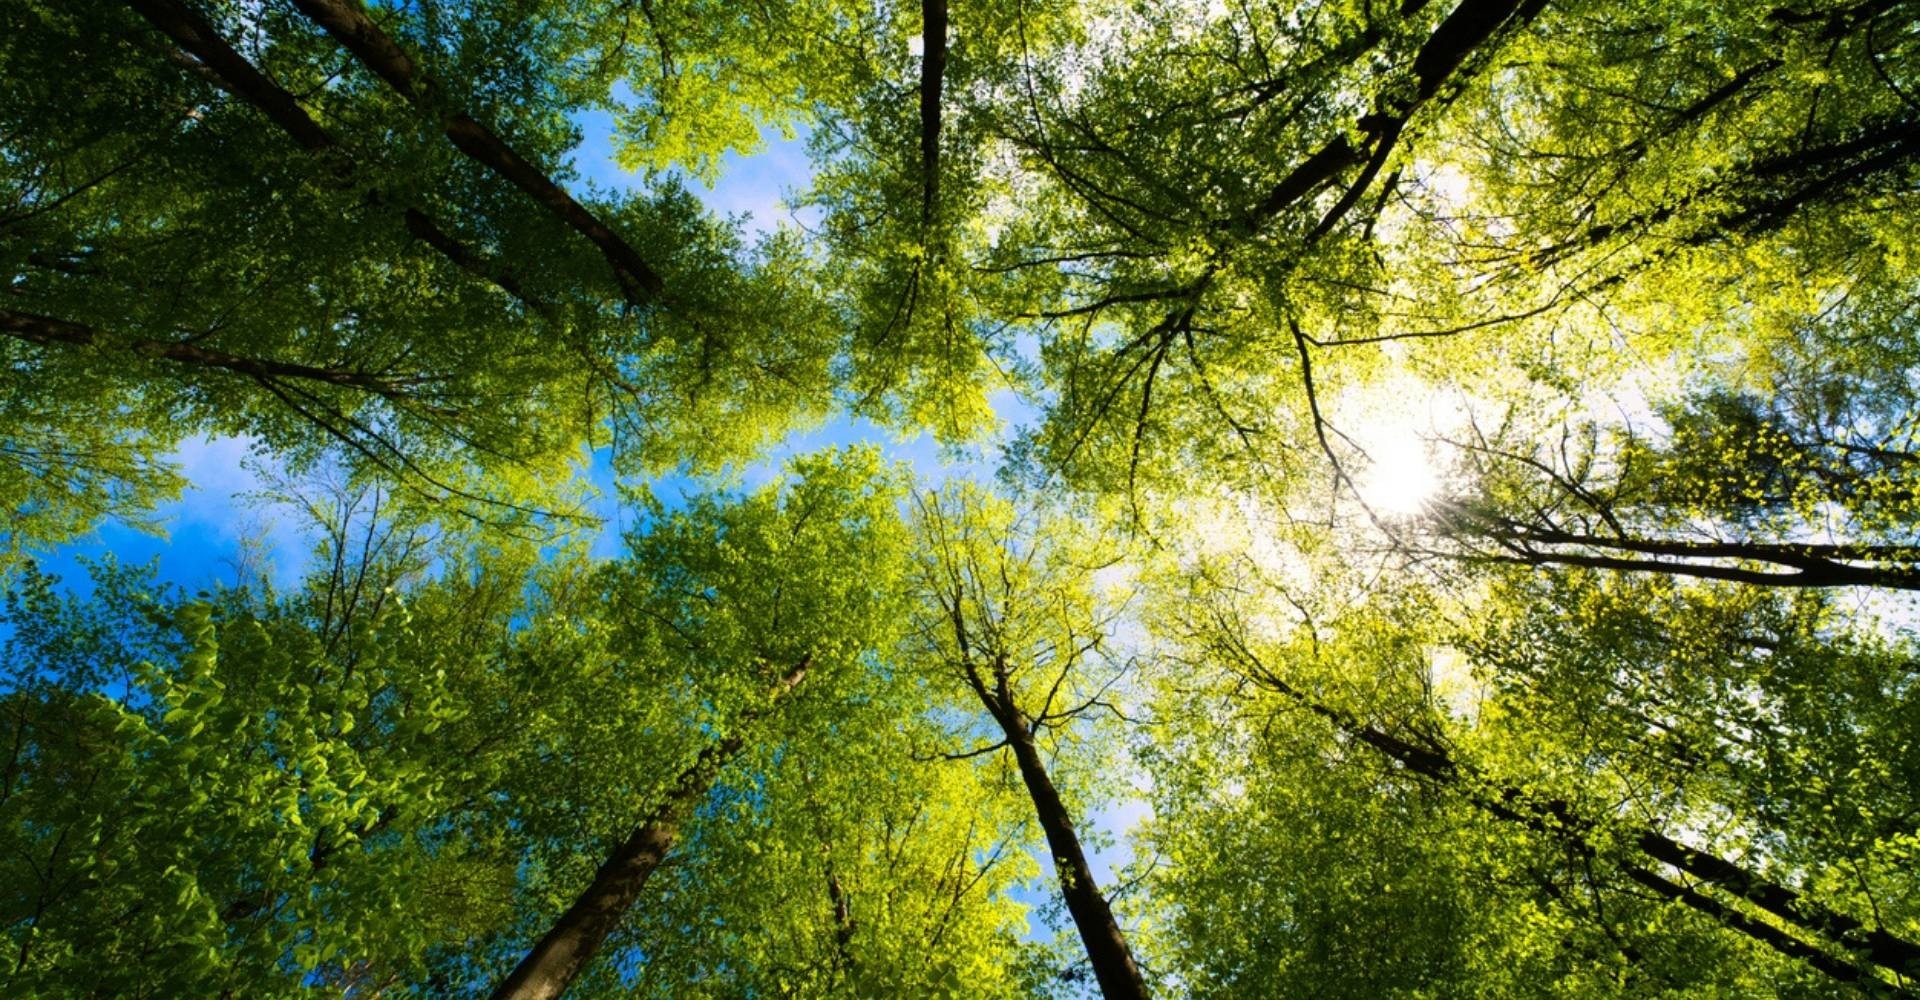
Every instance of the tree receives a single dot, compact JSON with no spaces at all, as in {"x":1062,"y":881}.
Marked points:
{"x":738,"y":607}
{"x":1736,"y":488}
{"x":219,"y":241}
{"x":1442,"y":204}
{"x":873,"y":869}
{"x":1019,"y":626}
{"x":349,"y":785}
{"x":1772,"y":714}
{"x":908,"y":185}
{"x":1537,"y":800}
{"x":204,"y":792}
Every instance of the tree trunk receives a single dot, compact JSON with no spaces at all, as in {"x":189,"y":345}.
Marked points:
{"x":933,"y":71}
{"x":47,"y":330}
{"x":228,"y":69}
{"x":1767,"y":934}
{"x":355,"y":30}
{"x":1106,"y":946}
{"x":577,"y":934}
{"x":1825,"y":575}
{"x":1813,"y":564}
{"x":1878,"y":946}
{"x":1466,"y":28}
{"x":552,"y":965}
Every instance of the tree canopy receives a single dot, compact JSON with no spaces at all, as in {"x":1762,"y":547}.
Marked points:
{"x":1451,"y":529}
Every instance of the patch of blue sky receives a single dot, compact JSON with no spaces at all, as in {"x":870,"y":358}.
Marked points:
{"x":221,"y":530}
{"x":755,"y":189}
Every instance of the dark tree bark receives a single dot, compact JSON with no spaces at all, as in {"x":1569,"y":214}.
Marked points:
{"x":195,"y":35}
{"x":1768,"y":191}
{"x":1878,"y":946}
{"x":843,"y":925}
{"x":231,"y":71}
{"x":561,"y":954}
{"x":46,"y":330}
{"x":1464,"y":30}
{"x":1809,"y":564}
{"x":348,"y":22}
{"x":1765,"y":933}
{"x":1106,"y":945}
{"x":564,"y":951}
{"x":933,"y":71}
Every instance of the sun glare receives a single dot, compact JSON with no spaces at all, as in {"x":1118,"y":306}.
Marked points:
{"x":1401,"y":478}
{"x":1394,"y":435}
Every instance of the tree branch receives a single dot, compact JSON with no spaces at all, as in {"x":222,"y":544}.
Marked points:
{"x":228,"y":69}
{"x":350,"y":25}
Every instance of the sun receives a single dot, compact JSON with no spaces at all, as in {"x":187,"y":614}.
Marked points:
{"x":1397,"y":429}
{"x":1400,"y":478}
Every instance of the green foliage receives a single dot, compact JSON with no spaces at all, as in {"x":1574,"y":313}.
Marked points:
{"x":873,"y":872}
{"x":1033,"y":598}
{"x":253,"y":791}
{"x":1656,"y":258}
{"x":1776,"y":725}
{"x":1292,"y":852}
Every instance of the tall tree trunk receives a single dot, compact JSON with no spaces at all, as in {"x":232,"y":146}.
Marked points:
{"x":47,"y":330}
{"x":1765,"y":933}
{"x":577,"y":934}
{"x":1100,"y":934}
{"x":1106,"y":946}
{"x":1811,"y":564}
{"x":1465,"y":29}
{"x":227,"y":68}
{"x":933,"y":71}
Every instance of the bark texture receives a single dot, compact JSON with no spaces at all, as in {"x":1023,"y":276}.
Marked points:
{"x":560,"y":955}
{"x":933,"y":71}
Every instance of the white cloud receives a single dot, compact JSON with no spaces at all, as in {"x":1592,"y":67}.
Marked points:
{"x":226,"y":499}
